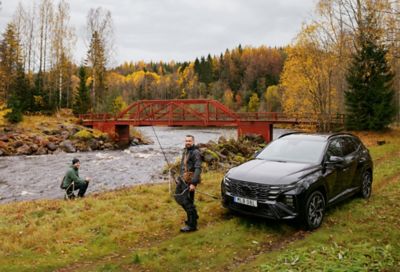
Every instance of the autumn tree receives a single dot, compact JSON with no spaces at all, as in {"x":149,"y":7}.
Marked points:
{"x":228,"y":98}
{"x":307,"y":79}
{"x":369,"y":100}
{"x":273,"y":99}
{"x":254,"y":103}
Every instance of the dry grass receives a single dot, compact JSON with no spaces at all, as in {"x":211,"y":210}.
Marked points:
{"x":136,"y":229}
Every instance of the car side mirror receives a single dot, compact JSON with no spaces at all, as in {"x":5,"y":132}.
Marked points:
{"x":335,"y":160}
{"x":256,"y":153}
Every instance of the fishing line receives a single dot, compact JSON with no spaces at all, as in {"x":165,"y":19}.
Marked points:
{"x":171,"y":175}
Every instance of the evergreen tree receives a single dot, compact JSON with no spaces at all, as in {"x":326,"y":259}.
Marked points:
{"x":15,"y":115}
{"x":369,"y":99}
{"x":22,"y":91}
{"x":9,"y":60}
{"x":82,"y":102}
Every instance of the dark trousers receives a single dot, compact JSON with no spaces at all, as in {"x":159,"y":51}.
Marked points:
{"x":81,"y":187}
{"x":185,"y":198}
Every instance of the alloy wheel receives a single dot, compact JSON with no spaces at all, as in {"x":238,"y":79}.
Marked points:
{"x":366,"y":185}
{"x":315,"y":210}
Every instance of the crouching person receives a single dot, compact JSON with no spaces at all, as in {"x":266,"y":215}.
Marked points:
{"x":73,"y":182}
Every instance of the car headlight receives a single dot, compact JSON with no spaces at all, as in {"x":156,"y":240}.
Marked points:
{"x":226,"y":181}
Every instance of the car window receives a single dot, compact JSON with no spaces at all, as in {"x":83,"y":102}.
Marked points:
{"x":335,"y":148}
{"x":349,"y":146}
{"x":294,"y":150}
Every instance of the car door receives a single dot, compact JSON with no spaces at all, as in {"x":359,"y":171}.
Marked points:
{"x":334,"y":171}
{"x":351,"y":158}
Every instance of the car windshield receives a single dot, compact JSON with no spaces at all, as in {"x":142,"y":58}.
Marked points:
{"x":293,"y":150}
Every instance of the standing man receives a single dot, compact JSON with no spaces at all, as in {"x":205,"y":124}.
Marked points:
{"x":72,"y":181}
{"x":190,"y":171}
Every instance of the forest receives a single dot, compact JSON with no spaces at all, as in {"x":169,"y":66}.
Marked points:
{"x":346,"y":60}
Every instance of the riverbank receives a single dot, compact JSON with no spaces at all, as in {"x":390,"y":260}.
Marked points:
{"x":41,"y":135}
{"x":136,"y":229}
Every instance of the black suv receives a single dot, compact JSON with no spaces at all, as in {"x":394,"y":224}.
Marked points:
{"x":298,"y":175}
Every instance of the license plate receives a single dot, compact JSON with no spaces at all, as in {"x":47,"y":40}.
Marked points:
{"x":245,"y":201}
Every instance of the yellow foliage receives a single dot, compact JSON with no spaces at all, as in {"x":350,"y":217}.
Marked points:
{"x":118,"y":104}
{"x":254,"y":103}
{"x":3,"y":112}
{"x":83,"y":134}
{"x":307,"y":77}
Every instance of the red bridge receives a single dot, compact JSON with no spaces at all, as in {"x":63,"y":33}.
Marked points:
{"x":188,"y":112}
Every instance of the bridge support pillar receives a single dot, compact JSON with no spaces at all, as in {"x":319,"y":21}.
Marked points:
{"x":253,"y":127}
{"x":119,"y":133}
{"x":123,"y":134}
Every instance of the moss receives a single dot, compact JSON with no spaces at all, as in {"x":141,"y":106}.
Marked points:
{"x":99,"y":135}
{"x":212,"y":153}
{"x":239,"y":159}
{"x":83,"y":134}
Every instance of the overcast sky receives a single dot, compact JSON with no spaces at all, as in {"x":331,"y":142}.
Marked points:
{"x":185,"y":29}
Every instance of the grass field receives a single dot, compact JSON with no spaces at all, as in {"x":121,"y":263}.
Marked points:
{"x":137,"y":229}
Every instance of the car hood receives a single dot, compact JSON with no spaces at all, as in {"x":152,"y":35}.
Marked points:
{"x":271,"y":172}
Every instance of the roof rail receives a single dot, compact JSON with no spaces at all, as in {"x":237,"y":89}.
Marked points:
{"x":290,"y":133}
{"x":340,"y":133}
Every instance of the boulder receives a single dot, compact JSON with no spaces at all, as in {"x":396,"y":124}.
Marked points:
{"x":4,"y":138}
{"x":34,"y":148}
{"x":93,"y":144}
{"x":108,"y":146}
{"x":41,"y":151}
{"x":51,"y":146}
{"x":135,"y":142}
{"x":210,"y":156}
{"x":3,"y":145}
{"x":65,"y":134}
{"x":38,"y":140}
{"x":18,"y":144}
{"x":67,"y":146}
{"x":24,"y":150}
{"x":222,"y":140}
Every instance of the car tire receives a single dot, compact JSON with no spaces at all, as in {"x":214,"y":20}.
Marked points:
{"x":314,"y":210}
{"x":366,"y":185}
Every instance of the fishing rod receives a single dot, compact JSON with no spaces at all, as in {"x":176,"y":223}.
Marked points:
{"x":171,"y":173}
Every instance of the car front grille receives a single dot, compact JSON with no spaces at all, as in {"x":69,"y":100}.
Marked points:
{"x":251,"y":190}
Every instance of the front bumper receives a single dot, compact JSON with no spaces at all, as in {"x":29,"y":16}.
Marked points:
{"x":266,"y":209}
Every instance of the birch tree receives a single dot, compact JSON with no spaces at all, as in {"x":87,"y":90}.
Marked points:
{"x":100,"y":33}
{"x":62,"y":40}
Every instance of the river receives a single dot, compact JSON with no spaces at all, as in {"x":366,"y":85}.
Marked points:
{"x":38,"y":177}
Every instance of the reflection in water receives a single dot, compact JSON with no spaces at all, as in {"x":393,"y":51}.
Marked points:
{"x":37,"y":177}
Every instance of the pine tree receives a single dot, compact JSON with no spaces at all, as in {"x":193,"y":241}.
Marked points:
{"x":9,"y":60}
{"x":82,"y":102}
{"x":22,"y":91}
{"x":15,"y":115}
{"x":369,"y":100}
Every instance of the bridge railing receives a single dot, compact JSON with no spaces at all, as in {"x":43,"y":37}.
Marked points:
{"x":242,"y":116}
{"x":96,"y":116}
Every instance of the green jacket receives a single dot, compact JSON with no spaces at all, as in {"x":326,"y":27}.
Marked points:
{"x":72,"y":175}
